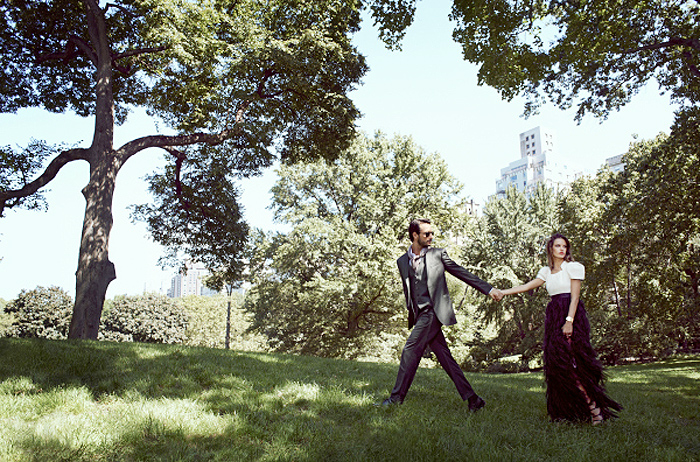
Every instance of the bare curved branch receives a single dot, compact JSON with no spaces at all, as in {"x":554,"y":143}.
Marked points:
{"x":170,"y":141}
{"x":74,"y":47}
{"x":163,"y":141}
{"x":49,"y":174}
{"x":676,"y":41}
{"x":180,"y":158}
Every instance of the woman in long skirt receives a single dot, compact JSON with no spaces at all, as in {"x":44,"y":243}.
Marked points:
{"x":573,"y":374}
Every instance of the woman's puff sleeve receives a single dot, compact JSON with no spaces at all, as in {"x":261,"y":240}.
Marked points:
{"x":576,"y":270}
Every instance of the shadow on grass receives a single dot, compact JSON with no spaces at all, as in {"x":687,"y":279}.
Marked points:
{"x":678,"y":376}
{"x":176,"y":372}
{"x":275,"y":406}
{"x":279,"y":407}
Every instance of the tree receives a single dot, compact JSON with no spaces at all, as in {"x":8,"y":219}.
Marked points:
{"x":206,"y":326}
{"x":592,"y":54}
{"x":509,"y":243}
{"x":656,"y":199}
{"x":637,"y":232}
{"x":329,"y":287}
{"x":43,"y":312}
{"x":240,"y":82}
{"x":6,"y":320}
{"x":586,"y":222}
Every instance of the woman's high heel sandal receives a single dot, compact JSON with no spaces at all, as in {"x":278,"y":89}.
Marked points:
{"x":596,"y":414}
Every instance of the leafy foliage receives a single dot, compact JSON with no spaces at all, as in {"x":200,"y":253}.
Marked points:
{"x":508,"y":245}
{"x":206,"y":324}
{"x":17,"y":169}
{"x":654,"y":250}
{"x":329,"y":286}
{"x":198,"y":216}
{"x":6,"y":320}
{"x":150,"y":318}
{"x":596,"y":55}
{"x":393,"y":17}
{"x":240,"y":83}
{"x":43,"y":312}
{"x":593,"y":54}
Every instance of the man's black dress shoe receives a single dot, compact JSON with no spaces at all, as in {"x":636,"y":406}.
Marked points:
{"x":476,"y":403}
{"x":388,"y":402}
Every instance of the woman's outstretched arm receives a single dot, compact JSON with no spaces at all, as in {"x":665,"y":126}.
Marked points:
{"x":534,"y":284}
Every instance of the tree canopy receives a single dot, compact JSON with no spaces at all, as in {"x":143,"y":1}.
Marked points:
{"x":239,"y":83}
{"x":592,"y":55}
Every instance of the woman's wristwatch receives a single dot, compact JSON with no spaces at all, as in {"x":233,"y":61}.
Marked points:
{"x":570,"y":319}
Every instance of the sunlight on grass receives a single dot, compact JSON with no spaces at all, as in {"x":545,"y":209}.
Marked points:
{"x":79,"y":424}
{"x":18,"y":386}
{"x":163,"y":402}
{"x":295,"y":392}
{"x":264,"y":357}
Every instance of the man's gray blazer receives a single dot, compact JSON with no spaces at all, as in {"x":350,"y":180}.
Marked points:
{"x":436,"y":263}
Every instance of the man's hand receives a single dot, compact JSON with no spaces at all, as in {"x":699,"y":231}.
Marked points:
{"x":496,"y":294}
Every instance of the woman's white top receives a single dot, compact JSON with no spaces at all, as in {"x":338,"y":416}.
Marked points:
{"x":560,"y":283}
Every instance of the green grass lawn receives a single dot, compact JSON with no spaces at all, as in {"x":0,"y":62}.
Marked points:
{"x":89,"y":401}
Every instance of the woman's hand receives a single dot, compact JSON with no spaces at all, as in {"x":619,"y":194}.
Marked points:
{"x":568,"y":329}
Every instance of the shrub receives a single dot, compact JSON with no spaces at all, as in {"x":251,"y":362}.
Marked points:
{"x":6,"y":320}
{"x":149,"y":318}
{"x":620,"y":339}
{"x":44,"y":312}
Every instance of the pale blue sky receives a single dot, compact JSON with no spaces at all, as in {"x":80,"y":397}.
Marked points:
{"x":426,"y":91}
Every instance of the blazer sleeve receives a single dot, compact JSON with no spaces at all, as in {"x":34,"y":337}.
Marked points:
{"x":463,"y":275}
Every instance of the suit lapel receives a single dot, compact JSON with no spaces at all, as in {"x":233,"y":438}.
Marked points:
{"x":429,"y":257}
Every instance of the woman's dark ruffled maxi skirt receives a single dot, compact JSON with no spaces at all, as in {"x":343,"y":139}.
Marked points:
{"x":566,"y":365}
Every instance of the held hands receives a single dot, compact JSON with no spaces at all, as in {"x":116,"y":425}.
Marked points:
{"x":496,"y":294}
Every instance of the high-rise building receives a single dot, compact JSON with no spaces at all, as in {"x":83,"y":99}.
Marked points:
{"x":616,"y":163}
{"x":472,"y":208}
{"x":538,"y":163}
{"x":190,"y":283}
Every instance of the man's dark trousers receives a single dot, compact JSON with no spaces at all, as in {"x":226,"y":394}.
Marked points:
{"x":427,"y":332}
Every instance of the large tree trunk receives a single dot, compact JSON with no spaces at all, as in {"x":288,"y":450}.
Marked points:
{"x":95,"y":271}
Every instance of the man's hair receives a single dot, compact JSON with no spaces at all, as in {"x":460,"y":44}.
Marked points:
{"x":414,"y":227}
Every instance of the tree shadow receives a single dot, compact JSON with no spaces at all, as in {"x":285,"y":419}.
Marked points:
{"x":280,"y":407}
{"x":271,"y":403}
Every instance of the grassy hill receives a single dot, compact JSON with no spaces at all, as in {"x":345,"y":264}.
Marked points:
{"x":89,"y":401}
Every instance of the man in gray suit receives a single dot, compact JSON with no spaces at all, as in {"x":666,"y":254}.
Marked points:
{"x":422,"y":270}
